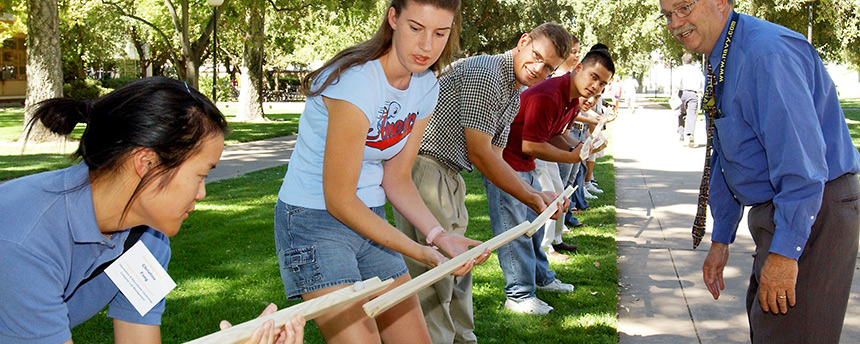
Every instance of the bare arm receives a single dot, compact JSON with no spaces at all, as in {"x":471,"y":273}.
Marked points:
{"x":126,"y":332}
{"x":550,"y":152}
{"x":569,"y":140}
{"x":487,"y":158}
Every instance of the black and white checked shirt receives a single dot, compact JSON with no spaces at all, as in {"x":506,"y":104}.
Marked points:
{"x":478,"y":92}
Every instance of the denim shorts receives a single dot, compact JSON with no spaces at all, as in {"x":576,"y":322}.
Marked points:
{"x":316,"y":251}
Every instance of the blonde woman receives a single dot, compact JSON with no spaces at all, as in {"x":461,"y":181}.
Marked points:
{"x":367,"y":105}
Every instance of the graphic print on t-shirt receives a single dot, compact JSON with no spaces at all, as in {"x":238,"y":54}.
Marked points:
{"x":391,"y":126}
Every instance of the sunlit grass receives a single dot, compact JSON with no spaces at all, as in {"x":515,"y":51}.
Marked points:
{"x":852,"y":118}
{"x":850,"y":103}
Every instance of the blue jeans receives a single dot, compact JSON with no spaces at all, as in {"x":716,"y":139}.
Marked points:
{"x":317,"y":251}
{"x":522,"y":260}
{"x":578,"y":199}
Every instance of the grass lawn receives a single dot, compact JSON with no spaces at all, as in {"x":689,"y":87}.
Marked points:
{"x":850,"y":103}
{"x":40,"y":158}
{"x":225,"y":267}
{"x":660,"y":100}
{"x":852,"y":117}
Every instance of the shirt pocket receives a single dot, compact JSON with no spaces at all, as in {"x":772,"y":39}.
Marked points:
{"x":735,"y":137}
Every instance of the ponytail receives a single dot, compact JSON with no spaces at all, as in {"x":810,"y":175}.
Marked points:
{"x":60,"y":115}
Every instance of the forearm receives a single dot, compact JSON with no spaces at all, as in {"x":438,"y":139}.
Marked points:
{"x":491,"y":164}
{"x":560,"y":142}
{"x":405,"y":198}
{"x":130,"y":333}
{"x":549,"y":152}
{"x":357,"y":216}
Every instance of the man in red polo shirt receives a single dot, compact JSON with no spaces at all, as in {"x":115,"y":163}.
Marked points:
{"x":546,"y":109}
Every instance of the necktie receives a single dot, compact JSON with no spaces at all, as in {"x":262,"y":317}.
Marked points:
{"x":708,"y":104}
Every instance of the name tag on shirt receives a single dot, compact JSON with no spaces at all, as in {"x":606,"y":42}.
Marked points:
{"x":140,"y":277}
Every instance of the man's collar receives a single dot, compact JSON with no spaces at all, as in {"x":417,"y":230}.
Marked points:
{"x":510,"y":77}
{"x":717,"y":51}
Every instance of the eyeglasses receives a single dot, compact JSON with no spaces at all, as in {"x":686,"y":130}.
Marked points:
{"x":539,"y":59}
{"x":680,"y":12}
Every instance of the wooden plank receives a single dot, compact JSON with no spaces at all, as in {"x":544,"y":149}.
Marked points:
{"x":544,"y":216}
{"x":310,"y":309}
{"x":396,"y":295}
{"x":596,"y":138}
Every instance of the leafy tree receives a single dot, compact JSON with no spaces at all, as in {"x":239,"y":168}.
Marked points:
{"x":186,"y":20}
{"x":15,"y":21}
{"x":834,"y":24}
{"x":89,"y":37}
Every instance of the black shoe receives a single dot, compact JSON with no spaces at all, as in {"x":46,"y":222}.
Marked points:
{"x":571,"y":221}
{"x":564,"y":247}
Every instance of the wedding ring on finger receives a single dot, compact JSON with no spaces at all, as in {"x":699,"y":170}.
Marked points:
{"x":781,"y":296}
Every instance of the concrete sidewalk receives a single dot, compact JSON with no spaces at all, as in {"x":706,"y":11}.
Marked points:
{"x":247,"y":157}
{"x":662,"y":298}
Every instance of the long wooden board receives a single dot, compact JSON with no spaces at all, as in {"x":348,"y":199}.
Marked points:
{"x":394,"y":296}
{"x":547,"y":213}
{"x":310,"y":309}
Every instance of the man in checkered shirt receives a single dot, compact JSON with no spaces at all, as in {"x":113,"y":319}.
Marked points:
{"x":478,"y":99}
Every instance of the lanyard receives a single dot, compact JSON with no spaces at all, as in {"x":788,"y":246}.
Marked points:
{"x":718,"y":88}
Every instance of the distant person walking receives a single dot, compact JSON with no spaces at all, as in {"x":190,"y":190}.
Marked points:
{"x":691,"y":82}
{"x":628,"y":89}
{"x":781,"y":146}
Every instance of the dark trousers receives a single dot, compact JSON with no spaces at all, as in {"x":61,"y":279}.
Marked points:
{"x":825,"y":269}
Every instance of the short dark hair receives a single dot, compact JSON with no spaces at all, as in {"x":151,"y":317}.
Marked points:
{"x":158,"y":113}
{"x":601,"y":57}
{"x":560,"y":38}
{"x":599,"y":46}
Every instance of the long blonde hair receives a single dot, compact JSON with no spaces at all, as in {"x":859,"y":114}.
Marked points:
{"x":380,"y":43}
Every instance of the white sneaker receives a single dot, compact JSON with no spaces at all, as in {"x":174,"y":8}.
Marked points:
{"x":592,"y":188}
{"x":532,"y":305}
{"x":588,"y":195}
{"x":691,"y":141}
{"x":556,"y":286}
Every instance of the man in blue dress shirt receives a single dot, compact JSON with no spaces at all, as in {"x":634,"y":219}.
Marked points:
{"x":781,"y":146}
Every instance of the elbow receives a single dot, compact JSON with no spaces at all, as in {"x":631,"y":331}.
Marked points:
{"x":334,"y":203}
{"x":529,"y":148}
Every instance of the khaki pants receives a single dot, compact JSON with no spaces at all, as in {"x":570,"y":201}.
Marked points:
{"x":447,"y":304}
{"x":825,"y":269}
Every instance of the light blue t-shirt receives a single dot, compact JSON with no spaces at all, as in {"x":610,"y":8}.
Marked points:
{"x":391,"y":114}
{"x":50,"y":243}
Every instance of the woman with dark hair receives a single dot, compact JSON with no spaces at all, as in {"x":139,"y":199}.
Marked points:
{"x":367,"y":105}
{"x":145,"y":153}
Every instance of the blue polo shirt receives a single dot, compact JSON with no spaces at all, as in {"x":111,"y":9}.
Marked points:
{"x":782,"y":134}
{"x":49,"y":243}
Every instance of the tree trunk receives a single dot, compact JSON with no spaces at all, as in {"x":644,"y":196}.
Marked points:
{"x":44,"y":67}
{"x":250,"y":98}
{"x":192,"y":74}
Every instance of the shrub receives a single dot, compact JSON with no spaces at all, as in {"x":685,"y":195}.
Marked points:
{"x":115,"y":83}
{"x":87,"y":89}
